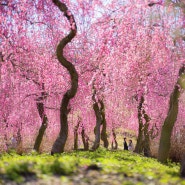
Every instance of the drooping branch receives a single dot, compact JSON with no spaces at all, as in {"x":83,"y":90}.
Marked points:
{"x":4,"y":4}
{"x":59,"y":144}
{"x":160,"y":2}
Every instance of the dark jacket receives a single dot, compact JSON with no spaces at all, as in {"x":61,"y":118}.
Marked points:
{"x":125,"y":145}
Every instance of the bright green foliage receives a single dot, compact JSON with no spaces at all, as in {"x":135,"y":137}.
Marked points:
{"x":130,"y":168}
{"x":17,"y":170}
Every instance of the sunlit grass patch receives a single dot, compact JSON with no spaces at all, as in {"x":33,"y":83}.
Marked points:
{"x":125,"y":166}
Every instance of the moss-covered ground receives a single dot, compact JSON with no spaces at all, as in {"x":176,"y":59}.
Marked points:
{"x":99,"y":167}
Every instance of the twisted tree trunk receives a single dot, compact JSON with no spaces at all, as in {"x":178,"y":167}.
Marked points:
{"x":44,"y":118}
{"x":98,"y":120}
{"x":146,"y":142}
{"x":59,"y":144}
{"x":97,"y":128}
{"x":164,"y":145}
{"x":143,"y":140}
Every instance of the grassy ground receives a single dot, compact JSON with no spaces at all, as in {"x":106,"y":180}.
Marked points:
{"x":100,"y":167}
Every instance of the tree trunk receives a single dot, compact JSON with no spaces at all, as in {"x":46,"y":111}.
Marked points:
{"x":97,"y":128}
{"x":167,"y":127}
{"x":98,"y":120}
{"x":76,"y":136}
{"x":85,"y":140}
{"x":182,"y":169}
{"x":114,"y":142}
{"x":5,"y":135}
{"x":43,"y":116}
{"x":139,"y":143}
{"x":143,"y":140}
{"x":164,"y":145}
{"x":41,"y":133}
{"x":104,"y":126}
{"x":60,"y":142}
{"x":19,"y":141}
{"x":146,"y":142}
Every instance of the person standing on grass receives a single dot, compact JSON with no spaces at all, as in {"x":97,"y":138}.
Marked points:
{"x":130,"y":145}
{"x":125,"y":144}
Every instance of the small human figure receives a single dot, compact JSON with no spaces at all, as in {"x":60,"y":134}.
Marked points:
{"x":125,"y":144}
{"x":13,"y":142}
{"x":130,"y":145}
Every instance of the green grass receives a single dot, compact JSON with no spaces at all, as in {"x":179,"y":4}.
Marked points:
{"x":130,"y":168}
